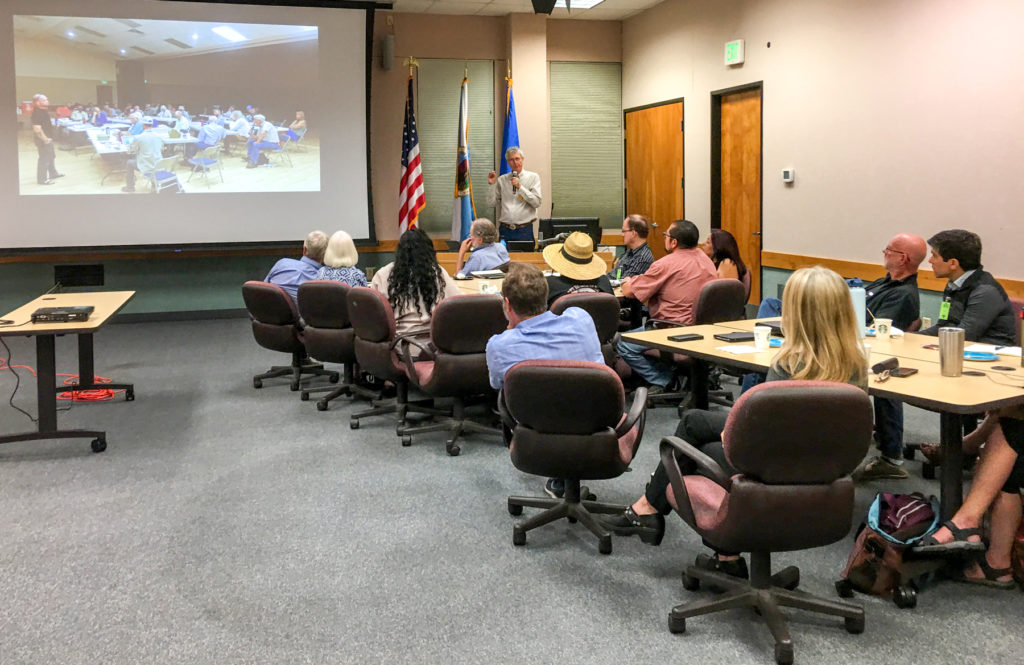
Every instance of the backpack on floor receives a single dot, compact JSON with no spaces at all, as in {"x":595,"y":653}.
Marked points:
{"x":894,"y":522}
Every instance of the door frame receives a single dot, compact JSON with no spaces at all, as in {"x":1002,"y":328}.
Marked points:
{"x":625,"y":175}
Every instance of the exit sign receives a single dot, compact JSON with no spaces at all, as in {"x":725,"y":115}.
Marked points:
{"x":734,"y":52}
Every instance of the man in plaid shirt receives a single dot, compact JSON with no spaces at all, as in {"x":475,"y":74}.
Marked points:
{"x":635,"y":261}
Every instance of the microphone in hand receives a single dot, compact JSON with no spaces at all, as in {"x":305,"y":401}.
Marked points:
{"x":515,"y":188}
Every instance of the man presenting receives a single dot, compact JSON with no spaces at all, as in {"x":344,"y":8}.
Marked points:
{"x":42,"y":134}
{"x":146,"y":150}
{"x":289,"y":273}
{"x":515,"y":197}
{"x":895,"y":297}
{"x":534,"y":333}
{"x":670,"y":287}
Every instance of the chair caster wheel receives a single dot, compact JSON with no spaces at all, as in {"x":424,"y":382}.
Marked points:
{"x":129,"y":395}
{"x":604,"y":546}
{"x":452,"y":449}
{"x":353,"y":424}
{"x":406,"y":441}
{"x":676,"y":624}
{"x":321,"y":405}
{"x":690,"y":583}
{"x":905,"y":597}
{"x":908,"y":453}
{"x":844,"y":588}
{"x":334,"y":377}
{"x":518,"y":536}
{"x":514,"y":509}
{"x":304,"y":396}
{"x":294,"y":386}
{"x":854,"y":625}
{"x":98,"y":445}
{"x":787,"y":578}
{"x":784,"y":653}
{"x":257,"y":384}
{"x":571,"y":520}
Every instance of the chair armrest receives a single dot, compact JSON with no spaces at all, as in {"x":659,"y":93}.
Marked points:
{"x":657,"y":324}
{"x":410,"y":366}
{"x":671,"y":446}
{"x":636,"y":410}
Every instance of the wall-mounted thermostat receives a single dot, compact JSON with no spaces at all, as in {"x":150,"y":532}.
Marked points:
{"x":788,"y":175}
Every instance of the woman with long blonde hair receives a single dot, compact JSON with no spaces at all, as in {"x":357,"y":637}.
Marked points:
{"x":822,"y":343}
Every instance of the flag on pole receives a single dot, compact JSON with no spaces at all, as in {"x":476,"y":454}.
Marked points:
{"x":411,"y":196}
{"x":510,"y":136}
{"x":464,"y":212}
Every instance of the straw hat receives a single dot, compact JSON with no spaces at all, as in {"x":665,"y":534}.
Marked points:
{"x":575,"y":258}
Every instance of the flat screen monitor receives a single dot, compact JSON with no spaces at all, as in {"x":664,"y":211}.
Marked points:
{"x":552,"y":226}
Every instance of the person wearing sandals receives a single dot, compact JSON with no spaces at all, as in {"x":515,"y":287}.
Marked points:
{"x":997,"y":485}
{"x":822,"y":343}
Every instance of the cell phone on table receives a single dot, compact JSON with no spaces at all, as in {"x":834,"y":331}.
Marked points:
{"x":902,"y":372}
{"x":685,"y":337}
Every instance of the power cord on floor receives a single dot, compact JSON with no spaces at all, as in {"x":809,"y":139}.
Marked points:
{"x":72,"y":396}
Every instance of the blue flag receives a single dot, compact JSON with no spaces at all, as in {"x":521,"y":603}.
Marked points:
{"x":463,"y":212}
{"x":510,"y":137}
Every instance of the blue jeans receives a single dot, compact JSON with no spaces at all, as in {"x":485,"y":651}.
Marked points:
{"x":768,"y":308}
{"x":524,"y":233}
{"x":889,"y":427}
{"x":652,"y":371}
{"x":254,"y":149}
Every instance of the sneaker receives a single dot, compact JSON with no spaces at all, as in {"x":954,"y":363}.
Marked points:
{"x":555,"y":488}
{"x":650,"y":528}
{"x":881,"y":469}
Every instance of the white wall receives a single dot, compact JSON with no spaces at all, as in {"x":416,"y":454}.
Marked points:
{"x":896,"y":114}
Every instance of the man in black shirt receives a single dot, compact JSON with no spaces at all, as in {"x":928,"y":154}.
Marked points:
{"x":42,"y":133}
{"x":580,"y":271}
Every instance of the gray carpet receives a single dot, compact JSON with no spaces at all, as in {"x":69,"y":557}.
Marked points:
{"x":231,"y":525}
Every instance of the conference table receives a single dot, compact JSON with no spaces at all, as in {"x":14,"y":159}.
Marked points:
{"x":113,"y":150}
{"x":951,"y":397}
{"x":106,"y":304}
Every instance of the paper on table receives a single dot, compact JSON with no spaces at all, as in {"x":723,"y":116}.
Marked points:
{"x":738,"y":349}
{"x":991,"y":348}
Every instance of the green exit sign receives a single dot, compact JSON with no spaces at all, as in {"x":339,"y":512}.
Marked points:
{"x":734,"y":52}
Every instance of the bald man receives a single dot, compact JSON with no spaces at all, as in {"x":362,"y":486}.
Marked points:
{"x":895,"y":297}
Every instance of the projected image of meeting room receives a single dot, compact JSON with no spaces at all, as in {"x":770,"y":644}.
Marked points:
{"x":136,"y":106}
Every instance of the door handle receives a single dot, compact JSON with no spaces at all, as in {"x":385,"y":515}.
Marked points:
{"x":756,"y":233}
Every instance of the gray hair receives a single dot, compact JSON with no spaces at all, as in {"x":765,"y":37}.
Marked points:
{"x":341,"y":251}
{"x":513,"y":149}
{"x":316,"y":245}
{"x":260,"y":117}
{"x":484,"y":229}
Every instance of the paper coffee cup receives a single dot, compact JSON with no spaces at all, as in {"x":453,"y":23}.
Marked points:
{"x":761,"y":335}
{"x":883,"y":328}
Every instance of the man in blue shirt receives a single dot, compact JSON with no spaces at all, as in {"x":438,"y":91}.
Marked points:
{"x":487,"y":254}
{"x":534,"y":333}
{"x":289,"y":273}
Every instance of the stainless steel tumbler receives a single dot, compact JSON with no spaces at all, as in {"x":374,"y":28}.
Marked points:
{"x":951,"y":351}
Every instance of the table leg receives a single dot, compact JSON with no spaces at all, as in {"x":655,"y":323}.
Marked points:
{"x":46,"y":382}
{"x":699,"y":379}
{"x":951,"y":471}
{"x":87,"y":372}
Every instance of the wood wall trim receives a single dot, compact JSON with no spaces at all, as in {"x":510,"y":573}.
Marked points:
{"x":871,"y":271}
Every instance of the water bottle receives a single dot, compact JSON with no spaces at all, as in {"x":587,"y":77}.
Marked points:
{"x":860,"y":307}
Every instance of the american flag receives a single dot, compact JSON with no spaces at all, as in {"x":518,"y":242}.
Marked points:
{"x":411,"y":197}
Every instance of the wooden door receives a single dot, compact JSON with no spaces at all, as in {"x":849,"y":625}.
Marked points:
{"x":740,"y":177}
{"x":654,"y":167}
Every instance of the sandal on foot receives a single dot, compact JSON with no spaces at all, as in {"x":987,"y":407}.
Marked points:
{"x":960,"y":542}
{"x":990,"y":576}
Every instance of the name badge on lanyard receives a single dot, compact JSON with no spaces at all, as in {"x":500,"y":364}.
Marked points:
{"x":944,"y":311}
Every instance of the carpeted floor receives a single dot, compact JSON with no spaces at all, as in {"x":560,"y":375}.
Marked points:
{"x":231,"y":525}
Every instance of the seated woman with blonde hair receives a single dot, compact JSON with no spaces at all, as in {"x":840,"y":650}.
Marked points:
{"x":822,"y":343}
{"x":487,"y":254}
{"x":340,"y":261}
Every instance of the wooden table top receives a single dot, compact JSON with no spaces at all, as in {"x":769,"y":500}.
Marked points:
{"x":106,"y":304}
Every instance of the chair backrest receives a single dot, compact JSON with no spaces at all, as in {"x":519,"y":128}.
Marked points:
{"x":565,"y":415}
{"x":798,"y":432}
{"x":914,"y":326}
{"x":603,"y":308}
{"x":328,"y":335}
{"x":1018,"y":314}
{"x":275,"y":318}
{"x":747,"y":280}
{"x":463,"y":324}
{"x":720,"y":300}
{"x":212,"y":153}
{"x":373,"y":322}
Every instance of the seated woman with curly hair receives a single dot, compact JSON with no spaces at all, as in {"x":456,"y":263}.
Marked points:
{"x":414,"y":283}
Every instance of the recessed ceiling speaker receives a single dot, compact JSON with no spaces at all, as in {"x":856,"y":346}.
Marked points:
{"x":387,"y":52}
{"x":543,"y":6}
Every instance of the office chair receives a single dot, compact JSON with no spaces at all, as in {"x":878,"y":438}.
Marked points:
{"x":276,"y":326}
{"x":793,"y":445}
{"x":719,"y":300}
{"x":567,"y":421}
{"x":203,"y":160}
{"x":453,"y":364}
{"x":373,"y":322}
{"x":329,"y":337}
{"x":603,"y":309}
